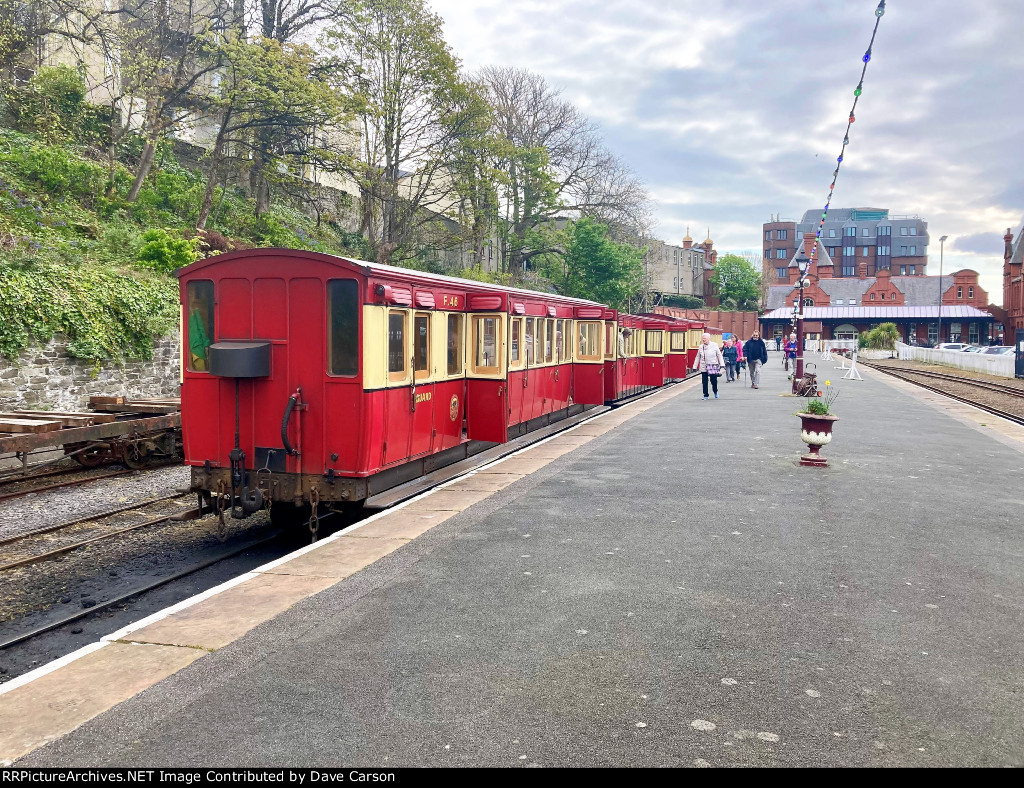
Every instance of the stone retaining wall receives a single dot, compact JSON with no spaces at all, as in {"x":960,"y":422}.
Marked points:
{"x":47,"y":378}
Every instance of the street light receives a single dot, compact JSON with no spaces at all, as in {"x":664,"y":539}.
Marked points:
{"x":802,"y":261}
{"x":942,"y":242}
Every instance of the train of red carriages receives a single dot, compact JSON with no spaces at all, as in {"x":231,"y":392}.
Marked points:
{"x":309,"y":379}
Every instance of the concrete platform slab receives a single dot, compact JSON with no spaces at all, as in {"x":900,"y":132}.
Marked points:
{"x":406,"y":523}
{"x":614,"y":611}
{"x":56,"y":704}
{"x":520,"y":464}
{"x":341,"y":557}
{"x":217,"y":621}
{"x":453,"y":499}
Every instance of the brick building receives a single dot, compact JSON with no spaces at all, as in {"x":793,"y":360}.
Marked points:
{"x":855,"y":239}
{"x":1013,"y":283}
{"x":868,"y":299}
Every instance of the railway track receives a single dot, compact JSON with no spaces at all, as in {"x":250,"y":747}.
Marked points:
{"x":80,"y":476}
{"x":914,"y":376}
{"x":46,"y":534}
{"x":342,"y":519}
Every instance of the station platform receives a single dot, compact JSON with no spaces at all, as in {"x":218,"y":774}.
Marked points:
{"x":660,"y":586}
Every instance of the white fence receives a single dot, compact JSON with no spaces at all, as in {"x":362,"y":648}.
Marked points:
{"x":820,"y":345}
{"x":1003,"y":366}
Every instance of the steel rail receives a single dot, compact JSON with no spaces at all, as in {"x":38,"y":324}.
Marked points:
{"x":98,"y":516}
{"x":136,"y":592}
{"x":35,"y":559}
{"x":1001,"y":388}
{"x":988,"y":408}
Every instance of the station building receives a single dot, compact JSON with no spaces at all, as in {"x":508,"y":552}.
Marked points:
{"x":1013,"y":282}
{"x":846,"y":306}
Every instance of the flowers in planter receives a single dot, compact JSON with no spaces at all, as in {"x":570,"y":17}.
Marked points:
{"x":821,"y":405}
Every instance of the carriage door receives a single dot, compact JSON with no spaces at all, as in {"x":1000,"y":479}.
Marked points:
{"x":486,"y":386}
{"x":307,"y":304}
{"x":588,"y":370}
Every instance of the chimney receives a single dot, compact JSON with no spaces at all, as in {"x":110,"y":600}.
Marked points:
{"x":809,"y":243}
{"x":862,"y":270}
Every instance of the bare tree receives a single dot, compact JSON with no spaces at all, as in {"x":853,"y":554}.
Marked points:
{"x":417,"y":113}
{"x":553,"y":162}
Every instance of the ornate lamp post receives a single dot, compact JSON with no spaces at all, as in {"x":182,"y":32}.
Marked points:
{"x":798,"y":373}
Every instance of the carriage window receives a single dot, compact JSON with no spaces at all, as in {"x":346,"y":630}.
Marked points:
{"x":455,"y":344}
{"x":396,"y":345}
{"x":678,"y":341}
{"x":549,"y":340}
{"x":486,"y":336}
{"x":559,"y":341}
{"x":609,"y":342}
{"x":529,"y":341}
{"x":200,"y":324}
{"x":421,"y":345}
{"x":589,"y":340}
{"x":343,"y":341}
{"x":517,"y":331}
{"x":653,"y":342}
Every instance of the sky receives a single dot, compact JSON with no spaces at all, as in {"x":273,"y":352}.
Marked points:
{"x":731,"y":111}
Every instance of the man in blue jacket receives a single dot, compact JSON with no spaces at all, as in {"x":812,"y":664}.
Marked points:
{"x":756,"y":354}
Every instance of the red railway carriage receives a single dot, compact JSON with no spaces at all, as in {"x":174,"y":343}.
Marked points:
{"x":312,"y":377}
{"x":676,"y":358}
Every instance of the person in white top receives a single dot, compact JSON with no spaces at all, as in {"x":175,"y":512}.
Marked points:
{"x":710,"y":362}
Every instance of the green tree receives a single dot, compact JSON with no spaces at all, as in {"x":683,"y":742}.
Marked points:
{"x":552,"y":161}
{"x":591,"y":265}
{"x":737,"y":281}
{"x":416,"y":112}
{"x":274,"y":88}
{"x":884,"y":336}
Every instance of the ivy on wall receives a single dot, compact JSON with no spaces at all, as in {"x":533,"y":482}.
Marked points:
{"x":104,"y":314}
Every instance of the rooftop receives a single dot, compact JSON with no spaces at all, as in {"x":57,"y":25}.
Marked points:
{"x":876,"y":312}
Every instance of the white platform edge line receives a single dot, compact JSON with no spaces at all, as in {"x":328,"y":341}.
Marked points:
{"x":67,"y":659}
{"x":195,"y":599}
{"x":50,"y":667}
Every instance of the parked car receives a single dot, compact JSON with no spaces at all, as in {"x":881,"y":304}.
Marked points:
{"x":974,"y":349}
{"x":953,"y":346}
{"x":999,"y":350}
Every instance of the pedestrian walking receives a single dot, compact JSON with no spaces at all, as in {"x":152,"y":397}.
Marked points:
{"x":730,"y":353}
{"x":741,"y":360}
{"x":756,"y":354}
{"x":710,"y":362}
{"x":790,"y":359}
{"x":778,"y":342}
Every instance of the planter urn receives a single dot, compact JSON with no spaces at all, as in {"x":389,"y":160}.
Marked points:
{"x":815,"y":431}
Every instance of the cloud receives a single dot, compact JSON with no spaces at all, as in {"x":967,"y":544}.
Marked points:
{"x":731,"y":110}
{"x":980,"y":243}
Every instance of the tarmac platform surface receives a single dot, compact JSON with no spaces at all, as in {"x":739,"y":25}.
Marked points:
{"x":673,"y":591}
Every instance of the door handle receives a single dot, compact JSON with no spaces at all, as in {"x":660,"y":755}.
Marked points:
{"x":293,"y":400}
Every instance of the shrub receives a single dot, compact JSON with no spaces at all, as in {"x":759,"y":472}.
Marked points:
{"x":103,"y":314}
{"x":164,"y":253}
{"x":53,"y":104}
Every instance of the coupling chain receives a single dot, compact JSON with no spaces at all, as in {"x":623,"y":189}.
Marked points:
{"x":314,"y":519}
